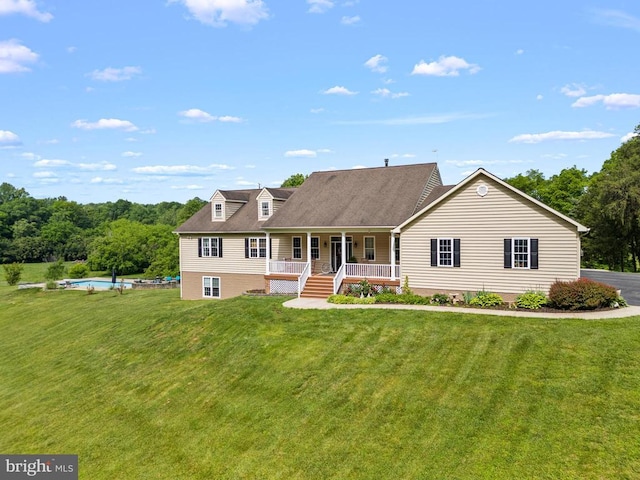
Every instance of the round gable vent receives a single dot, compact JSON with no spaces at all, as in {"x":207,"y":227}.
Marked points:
{"x":482,"y":190}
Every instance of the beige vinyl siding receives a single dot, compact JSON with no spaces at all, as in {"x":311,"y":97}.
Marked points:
{"x":264,"y":196}
{"x":434,"y":181}
{"x":231,"y":284}
{"x":218,"y":198}
{"x":232,"y":260}
{"x":481,"y":224}
{"x":277,"y":204}
{"x":382,"y":246}
{"x":231,"y":207}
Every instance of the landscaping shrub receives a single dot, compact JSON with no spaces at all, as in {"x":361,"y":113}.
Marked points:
{"x":345,"y":299}
{"x":441,"y":299}
{"x":13,"y":272}
{"x":531,"y":300}
{"x":403,"y":298}
{"x":55,"y":270}
{"x":582,"y":294}
{"x":79,"y":270}
{"x":467,"y":297}
{"x":486,"y":299}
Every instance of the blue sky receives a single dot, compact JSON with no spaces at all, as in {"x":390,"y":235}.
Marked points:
{"x":155,"y":100}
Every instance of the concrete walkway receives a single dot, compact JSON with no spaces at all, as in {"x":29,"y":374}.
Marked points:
{"x":319,"y":303}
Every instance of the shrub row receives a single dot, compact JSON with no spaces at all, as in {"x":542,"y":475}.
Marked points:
{"x":582,"y":294}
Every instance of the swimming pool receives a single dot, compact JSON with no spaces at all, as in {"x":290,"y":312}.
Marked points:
{"x":104,"y":284}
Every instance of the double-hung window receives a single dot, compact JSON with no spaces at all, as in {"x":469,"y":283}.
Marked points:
{"x":210,"y":247}
{"x":264,"y":209}
{"x":218,"y":212}
{"x":315,"y":248}
{"x":521,"y":253}
{"x":211,"y":287}
{"x":445,"y":252}
{"x":370,"y":248}
{"x":255,"y":247}
{"x":297,"y":248}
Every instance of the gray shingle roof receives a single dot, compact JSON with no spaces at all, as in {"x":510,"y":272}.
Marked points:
{"x":368,"y":197}
{"x":243,"y":220}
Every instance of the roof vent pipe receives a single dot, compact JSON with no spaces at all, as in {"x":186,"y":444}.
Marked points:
{"x":386,"y":162}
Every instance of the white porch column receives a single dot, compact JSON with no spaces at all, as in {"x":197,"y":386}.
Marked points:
{"x":343,"y":239}
{"x":267,"y":269}
{"x":309,"y":251}
{"x":393,"y":256}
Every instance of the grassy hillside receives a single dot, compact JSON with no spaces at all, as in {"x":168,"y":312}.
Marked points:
{"x":143,"y":385}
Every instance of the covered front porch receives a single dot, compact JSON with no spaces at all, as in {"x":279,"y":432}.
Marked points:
{"x":331,"y":259}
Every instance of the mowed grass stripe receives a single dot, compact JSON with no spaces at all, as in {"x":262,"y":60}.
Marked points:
{"x":143,"y":385}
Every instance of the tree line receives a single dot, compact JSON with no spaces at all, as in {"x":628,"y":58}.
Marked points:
{"x":608,"y":202}
{"x":136,"y":238}
{"x":125,"y":236}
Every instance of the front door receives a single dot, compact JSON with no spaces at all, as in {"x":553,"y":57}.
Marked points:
{"x":336,"y":251}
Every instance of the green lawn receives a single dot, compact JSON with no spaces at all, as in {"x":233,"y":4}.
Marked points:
{"x":145,"y":386}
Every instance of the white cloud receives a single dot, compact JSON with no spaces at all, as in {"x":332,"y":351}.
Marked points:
{"x":218,"y":12}
{"x":44,"y":175}
{"x":244,"y":183}
{"x":386,"y":93}
{"x":24,"y":7}
{"x":30,"y":156}
{"x":574,"y":90}
{"x":350,"y":20}
{"x":110,"y":74}
{"x":304,"y":153}
{"x":198,"y":115}
{"x":148,"y":131}
{"x":445,"y":67}
{"x":14,"y":57}
{"x":106,"y":124}
{"x":131,"y":154}
{"x":559,"y":135}
{"x":417,"y":120}
{"x":356,"y":167}
{"x":95,"y":167}
{"x":72,"y":49}
{"x":617,"y":18}
{"x":324,"y":150}
{"x":180,"y":169}
{"x":377,"y":63}
{"x":338,"y":90}
{"x":319,"y":6}
{"x":611,"y":102}
{"x":317,"y":110}
{"x":628,"y":137}
{"x":539,"y":97}
{"x":229,"y":119}
{"x":9,"y":139}
{"x":106,"y":181}
{"x":49,"y":163}
{"x":519,"y":51}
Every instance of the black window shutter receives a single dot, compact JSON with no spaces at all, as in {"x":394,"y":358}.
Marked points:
{"x":220,"y":247}
{"x":199,"y":247}
{"x":434,"y":252}
{"x":456,"y":252}
{"x":534,"y":253}
{"x":270,"y":248}
{"x":507,"y":253}
{"x":246,"y":248}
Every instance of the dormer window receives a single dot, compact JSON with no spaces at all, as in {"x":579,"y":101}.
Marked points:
{"x":265,"y":210}
{"x":218,"y":211}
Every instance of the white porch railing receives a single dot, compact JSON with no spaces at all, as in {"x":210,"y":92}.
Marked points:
{"x":339,"y":276}
{"x":280,"y":266}
{"x":304,"y":276}
{"x":371,"y":270}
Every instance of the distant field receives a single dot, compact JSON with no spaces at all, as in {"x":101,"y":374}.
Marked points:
{"x":143,"y":385}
